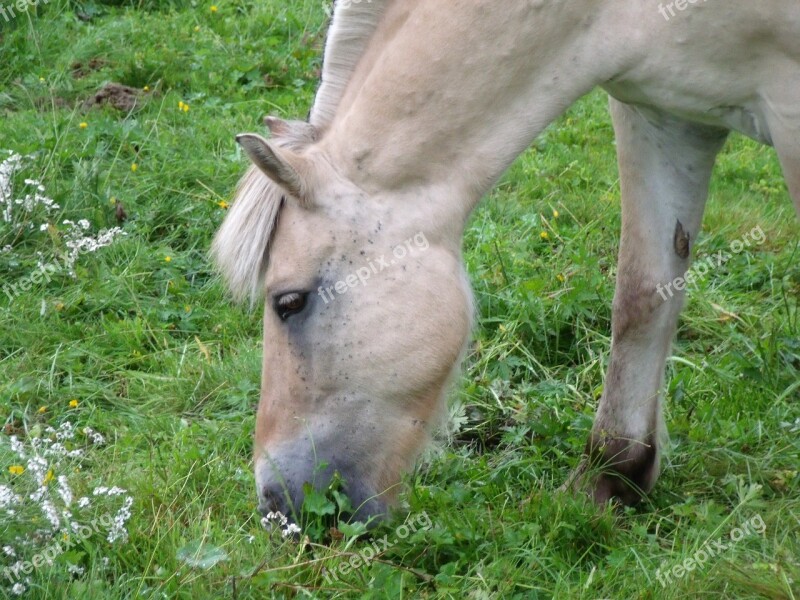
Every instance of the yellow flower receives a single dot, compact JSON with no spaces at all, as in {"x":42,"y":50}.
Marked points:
{"x":560,"y":277}
{"x":49,"y":477}
{"x":83,"y":125}
{"x":167,"y":259}
{"x":16,"y":469}
{"x":544,"y":235}
{"x":146,"y":88}
{"x":183,"y":106}
{"x":213,"y":8}
{"x":555,"y":214}
{"x":187,"y":308}
{"x":41,"y":79}
{"x":197,"y":27}
{"x":42,"y":410}
{"x":134,"y":167}
{"x":222,"y":204}
{"x":73,"y":403}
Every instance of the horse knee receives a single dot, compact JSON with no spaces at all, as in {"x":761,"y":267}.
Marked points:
{"x":638,"y":304}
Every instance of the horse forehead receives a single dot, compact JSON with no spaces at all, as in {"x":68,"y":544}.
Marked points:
{"x":305,"y":239}
{"x":343,"y":221}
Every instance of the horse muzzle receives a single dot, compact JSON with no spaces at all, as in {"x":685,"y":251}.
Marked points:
{"x":282,"y":480}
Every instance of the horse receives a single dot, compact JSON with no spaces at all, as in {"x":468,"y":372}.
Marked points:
{"x":422,"y":106}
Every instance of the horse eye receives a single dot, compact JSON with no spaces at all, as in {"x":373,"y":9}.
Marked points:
{"x":290,"y":304}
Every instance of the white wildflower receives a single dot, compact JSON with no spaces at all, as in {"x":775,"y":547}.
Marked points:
{"x":118,"y":531}
{"x":65,"y":432}
{"x":18,"y":589}
{"x":78,"y":243}
{"x":38,"y":494}
{"x":8,"y":497}
{"x":291,"y":529}
{"x":96,"y":438}
{"x":63,"y":490}
{"x":38,"y":467}
{"x":276,"y":516}
{"x":282,"y":521}
{"x":10,"y":166}
{"x":50,"y":514}
{"x":17,"y":446}
{"x":7,"y":169}
{"x":58,"y":449}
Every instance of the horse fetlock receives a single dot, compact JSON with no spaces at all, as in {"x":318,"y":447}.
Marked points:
{"x":619,"y":467}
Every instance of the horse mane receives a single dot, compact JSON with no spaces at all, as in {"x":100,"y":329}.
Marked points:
{"x":354,"y":22}
{"x":241,"y":246}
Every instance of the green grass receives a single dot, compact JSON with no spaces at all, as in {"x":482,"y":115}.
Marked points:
{"x":167,"y":369}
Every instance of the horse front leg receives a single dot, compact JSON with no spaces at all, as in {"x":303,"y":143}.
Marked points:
{"x":783,"y":120}
{"x":665,"y":167}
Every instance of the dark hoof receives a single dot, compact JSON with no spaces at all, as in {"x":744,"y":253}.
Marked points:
{"x":615,"y":469}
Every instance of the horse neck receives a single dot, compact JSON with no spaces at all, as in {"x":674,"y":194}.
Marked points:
{"x":448,"y":94}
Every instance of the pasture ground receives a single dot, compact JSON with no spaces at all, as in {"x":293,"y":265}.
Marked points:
{"x":143,"y":345}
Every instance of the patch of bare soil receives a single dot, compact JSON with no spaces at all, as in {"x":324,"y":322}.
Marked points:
{"x":121,"y":97}
{"x":82,"y":69}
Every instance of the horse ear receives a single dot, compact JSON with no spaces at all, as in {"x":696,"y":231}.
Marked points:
{"x":276,"y":126}
{"x":299,"y":131}
{"x":282,"y":166}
